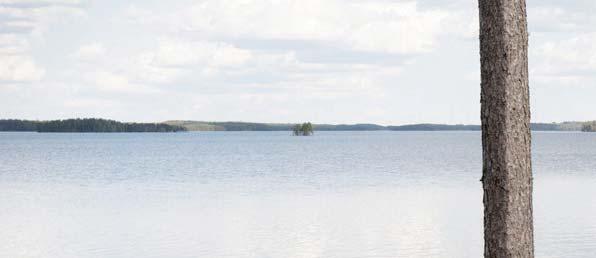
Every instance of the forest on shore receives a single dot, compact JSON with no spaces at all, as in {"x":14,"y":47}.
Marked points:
{"x":84,"y":125}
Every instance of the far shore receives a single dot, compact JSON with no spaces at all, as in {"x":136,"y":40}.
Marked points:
{"x":105,"y":125}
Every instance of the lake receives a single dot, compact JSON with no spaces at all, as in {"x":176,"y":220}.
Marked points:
{"x":269,"y":194}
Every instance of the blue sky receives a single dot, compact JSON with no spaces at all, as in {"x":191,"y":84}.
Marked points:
{"x":333,"y":61}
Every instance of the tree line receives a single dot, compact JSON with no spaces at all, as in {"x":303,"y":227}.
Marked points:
{"x":105,"y":125}
{"x":84,"y":125}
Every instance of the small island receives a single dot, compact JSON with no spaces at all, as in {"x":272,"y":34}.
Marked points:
{"x":304,"y":129}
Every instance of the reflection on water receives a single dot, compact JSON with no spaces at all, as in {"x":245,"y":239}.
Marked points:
{"x":267,"y":194}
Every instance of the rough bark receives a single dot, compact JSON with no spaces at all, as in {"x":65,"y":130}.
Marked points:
{"x":505,"y":114}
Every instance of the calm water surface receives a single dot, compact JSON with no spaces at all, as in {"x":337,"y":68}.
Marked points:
{"x":268,"y":194}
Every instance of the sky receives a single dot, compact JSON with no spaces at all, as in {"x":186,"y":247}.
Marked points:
{"x":389,"y":62}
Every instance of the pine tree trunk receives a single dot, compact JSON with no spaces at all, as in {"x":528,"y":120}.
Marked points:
{"x":505,"y":113}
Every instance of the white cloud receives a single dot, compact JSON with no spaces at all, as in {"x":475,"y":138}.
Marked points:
{"x":11,"y":45}
{"x":17,"y":68}
{"x":35,"y":17}
{"x":393,"y":27}
{"x":20,"y":21}
{"x":179,"y":52}
{"x":551,"y":17}
{"x":116,"y":83}
{"x":566,"y":61}
{"x":90,"y":52}
{"x":143,"y":69}
{"x":173,"y":59}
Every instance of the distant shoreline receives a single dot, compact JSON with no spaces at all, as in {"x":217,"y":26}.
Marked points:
{"x":105,"y":125}
{"x":248,"y":126}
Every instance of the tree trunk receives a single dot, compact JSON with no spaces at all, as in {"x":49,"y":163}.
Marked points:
{"x":505,"y":113}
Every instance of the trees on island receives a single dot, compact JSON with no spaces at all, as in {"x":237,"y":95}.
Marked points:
{"x":304,"y":129}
